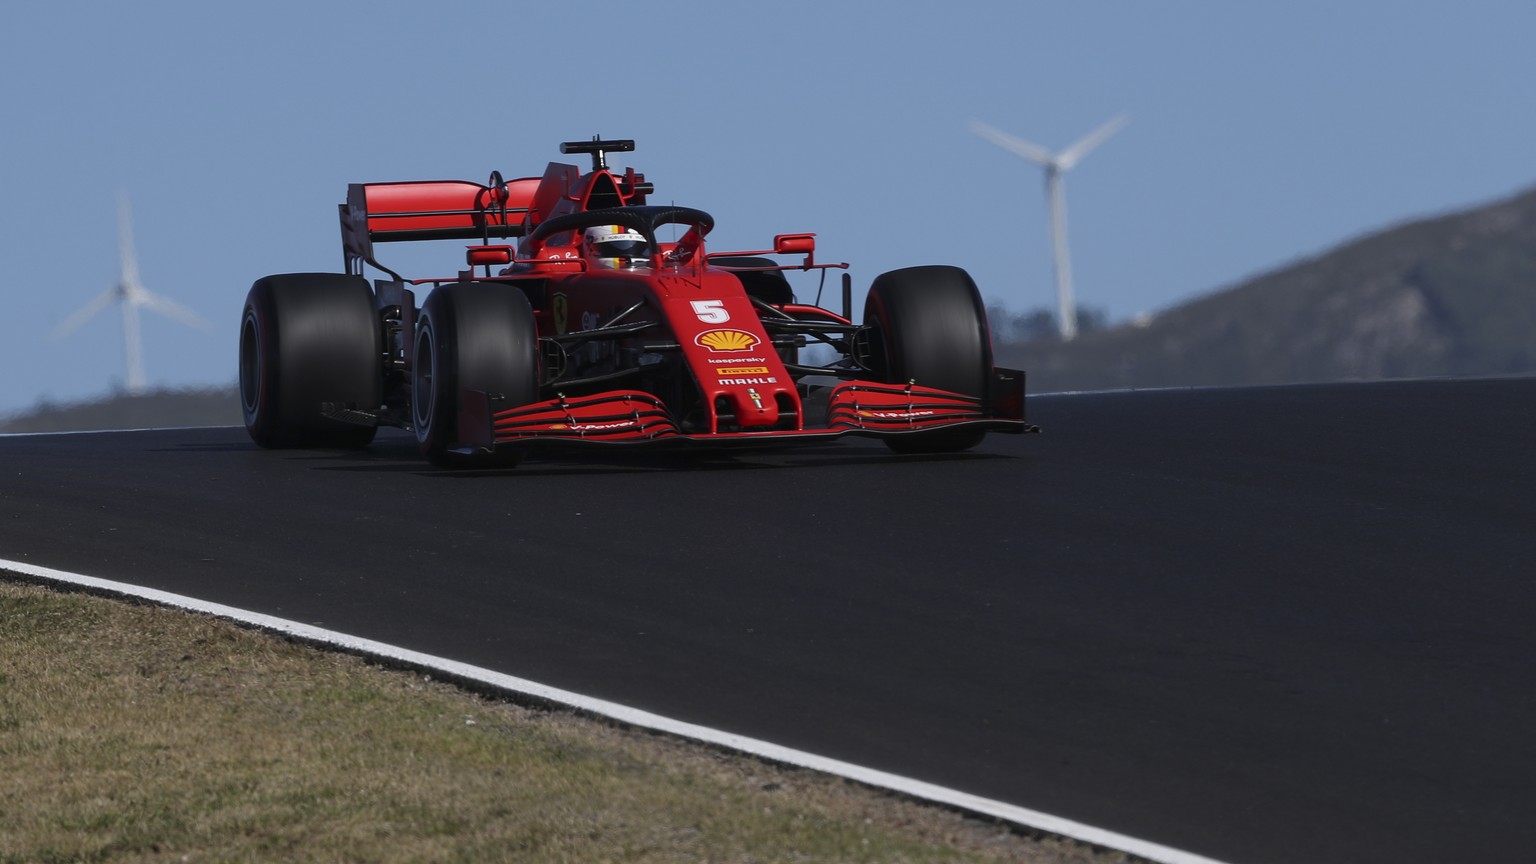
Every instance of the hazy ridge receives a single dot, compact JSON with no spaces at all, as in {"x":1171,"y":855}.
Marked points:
{"x":203,"y":406}
{"x":1452,"y":295}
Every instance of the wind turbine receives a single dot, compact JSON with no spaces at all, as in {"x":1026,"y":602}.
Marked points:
{"x":1055,"y":165}
{"x":131,"y":294}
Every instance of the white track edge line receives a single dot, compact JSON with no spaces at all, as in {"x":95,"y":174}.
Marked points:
{"x":1023,"y":816}
{"x":110,"y":431}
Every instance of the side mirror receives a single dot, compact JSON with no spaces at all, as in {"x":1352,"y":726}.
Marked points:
{"x":488,"y":256}
{"x":794,"y":244}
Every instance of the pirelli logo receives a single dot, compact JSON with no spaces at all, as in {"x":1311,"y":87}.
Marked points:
{"x":741,"y":370}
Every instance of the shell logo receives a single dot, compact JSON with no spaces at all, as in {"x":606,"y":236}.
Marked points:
{"x":727,"y":340}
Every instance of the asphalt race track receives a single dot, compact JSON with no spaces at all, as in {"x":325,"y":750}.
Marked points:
{"x":1286,"y":624}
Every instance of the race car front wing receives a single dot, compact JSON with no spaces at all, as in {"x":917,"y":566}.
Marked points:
{"x":630,"y":417}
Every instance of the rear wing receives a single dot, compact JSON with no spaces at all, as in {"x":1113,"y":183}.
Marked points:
{"x":460,"y":210}
{"x":431,"y":210}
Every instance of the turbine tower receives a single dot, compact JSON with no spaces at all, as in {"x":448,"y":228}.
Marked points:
{"x":131,"y":294}
{"x":1055,"y":165}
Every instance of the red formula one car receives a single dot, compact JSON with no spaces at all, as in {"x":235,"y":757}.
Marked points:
{"x":596,"y":329}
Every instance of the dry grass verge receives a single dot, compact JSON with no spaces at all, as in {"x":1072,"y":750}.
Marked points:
{"x":131,"y":733}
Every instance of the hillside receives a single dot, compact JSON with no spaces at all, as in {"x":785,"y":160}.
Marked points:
{"x":1453,"y":295}
{"x":214,"y":406}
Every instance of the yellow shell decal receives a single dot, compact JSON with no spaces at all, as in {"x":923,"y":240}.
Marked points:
{"x":727,"y":340}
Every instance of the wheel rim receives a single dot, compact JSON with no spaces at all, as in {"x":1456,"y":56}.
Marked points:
{"x":423,"y":383}
{"x":250,"y":364}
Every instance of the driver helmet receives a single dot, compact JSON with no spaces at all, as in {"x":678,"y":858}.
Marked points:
{"x":614,"y":247}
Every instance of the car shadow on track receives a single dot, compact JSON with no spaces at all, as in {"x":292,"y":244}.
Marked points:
{"x":778,"y":460}
{"x":556,"y":463}
{"x":391,"y":453}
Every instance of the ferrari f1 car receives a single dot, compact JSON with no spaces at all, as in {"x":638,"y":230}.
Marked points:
{"x":609,"y":323}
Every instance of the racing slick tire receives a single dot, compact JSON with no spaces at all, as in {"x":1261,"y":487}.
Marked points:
{"x":471,"y":336}
{"x":929,"y":325}
{"x":307,"y":339}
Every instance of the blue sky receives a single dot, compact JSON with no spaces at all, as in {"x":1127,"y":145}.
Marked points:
{"x":1260,"y":134}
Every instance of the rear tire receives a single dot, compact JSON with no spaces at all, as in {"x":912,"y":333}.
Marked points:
{"x":307,"y":339}
{"x":930,"y":326}
{"x":471,"y":336}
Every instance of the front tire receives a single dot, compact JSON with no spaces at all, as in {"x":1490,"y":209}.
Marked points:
{"x":307,"y":339}
{"x":929,"y":326}
{"x":470,"y":336}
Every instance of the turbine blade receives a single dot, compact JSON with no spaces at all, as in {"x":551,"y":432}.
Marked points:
{"x":84,"y":314}
{"x":128,"y":265}
{"x":171,"y":309}
{"x":1017,"y":146}
{"x":1074,"y":154}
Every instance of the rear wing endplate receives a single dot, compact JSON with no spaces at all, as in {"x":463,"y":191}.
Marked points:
{"x":431,"y":210}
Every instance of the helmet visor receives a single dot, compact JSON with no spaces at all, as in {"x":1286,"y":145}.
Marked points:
{"x":620,"y":247}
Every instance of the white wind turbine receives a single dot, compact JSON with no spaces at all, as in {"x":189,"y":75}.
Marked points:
{"x":131,"y":294}
{"x":1056,"y":164}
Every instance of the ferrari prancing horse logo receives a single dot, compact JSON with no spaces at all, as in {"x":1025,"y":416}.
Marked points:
{"x":560,"y":305}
